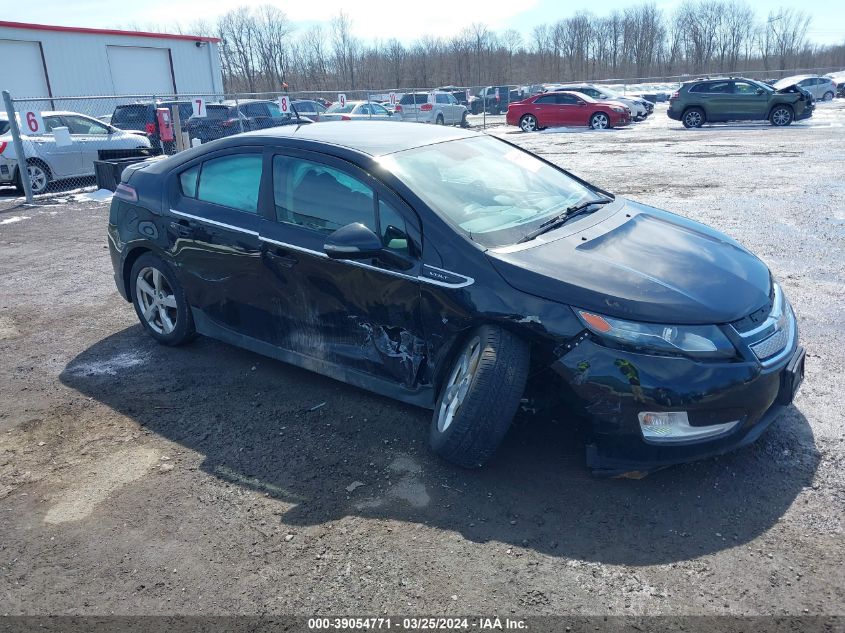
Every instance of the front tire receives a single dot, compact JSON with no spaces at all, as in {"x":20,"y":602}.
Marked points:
{"x":694,"y":117}
{"x":160,"y":301}
{"x":480,"y":396}
{"x":528,"y":123}
{"x":828,"y":96}
{"x":781,"y":116}
{"x":599,"y":121}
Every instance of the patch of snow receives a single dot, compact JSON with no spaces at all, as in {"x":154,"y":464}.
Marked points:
{"x":101,"y":195}
{"x":14,"y":218}
{"x":111,"y":366}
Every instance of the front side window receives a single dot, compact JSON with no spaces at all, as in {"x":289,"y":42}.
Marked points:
{"x":230,"y":181}
{"x":318,"y":197}
{"x":564,"y":99}
{"x":336,"y":108}
{"x":493,"y":192}
{"x":83,"y":125}
{"x":442,"y":99}
{"x":378,"y":109}
{"x":394,"y":234}
{"x":744,"y":88}
{"x":254,"y":110}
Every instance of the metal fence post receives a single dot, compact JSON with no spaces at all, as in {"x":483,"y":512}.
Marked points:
{"x":238,"y":112}
{"x":23,"y":170}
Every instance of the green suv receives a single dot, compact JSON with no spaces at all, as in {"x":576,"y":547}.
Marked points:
{"x":737,"y":99}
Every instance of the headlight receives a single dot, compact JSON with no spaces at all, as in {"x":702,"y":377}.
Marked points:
{"x":692,"y":340}
{"x":617,"y":109}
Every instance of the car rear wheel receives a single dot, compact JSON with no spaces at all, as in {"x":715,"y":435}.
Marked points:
{"x":780,"y":116}
{"x":464,"y":121}
{"x":439,"y":120}
{"x":160,"y":301}
{"x":480,"y":396}
{"x":694,"y":117}
{"x":828,"y":96}
{"x":528,"y":123}
{"x":39,"y":177}
{"x":599,"y":121}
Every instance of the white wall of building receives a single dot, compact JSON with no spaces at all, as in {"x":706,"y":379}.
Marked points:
{"x":104,"y":63}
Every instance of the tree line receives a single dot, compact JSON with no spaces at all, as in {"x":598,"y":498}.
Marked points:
{"x":261,"y":49}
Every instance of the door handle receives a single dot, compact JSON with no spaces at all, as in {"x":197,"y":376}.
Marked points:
{"x":281,"y":257}
{"x":182,"y":228}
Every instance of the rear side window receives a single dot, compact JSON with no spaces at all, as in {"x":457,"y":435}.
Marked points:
{"x":318,"y":197}
{"x":132,"y":117}
{"x":254,"y":109}
{"x":217,"y":112}
{"x":545,"y":100}
{"x":4,"y":127}
{"x":230,"y":181}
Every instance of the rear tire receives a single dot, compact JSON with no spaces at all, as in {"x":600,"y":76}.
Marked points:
{"x":828,"y":96}
{"x":479,"y":397}
{"x":693,"y":117}
{"x":464,"y":121}
{"x":781,"y":116}
{"x":528,"y":123}
{"x":39,"y":177}
{"x":160,"y":301}
{"x":439,"y":120}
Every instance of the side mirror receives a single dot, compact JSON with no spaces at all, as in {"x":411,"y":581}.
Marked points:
{"x":353,"y":241}
{"x":760,"y":91}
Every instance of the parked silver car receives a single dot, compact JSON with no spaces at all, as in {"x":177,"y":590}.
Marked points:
{"x":48,"y":160}
{"x":822,"y":88}
{"x":436,"y":107}
{"x":358,"y":111}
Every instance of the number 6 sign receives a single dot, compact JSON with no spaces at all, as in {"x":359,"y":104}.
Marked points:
{"x":31,"y":122}
{"x":199,"y":106}
{"x":284,"y":104}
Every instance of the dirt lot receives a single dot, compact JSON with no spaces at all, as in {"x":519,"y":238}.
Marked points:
{"x":138,"y":479}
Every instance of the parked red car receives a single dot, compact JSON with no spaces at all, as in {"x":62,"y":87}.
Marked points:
{"x":552,"y":109}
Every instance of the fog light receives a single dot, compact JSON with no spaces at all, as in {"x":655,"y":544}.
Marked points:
{"x":667,"y":427}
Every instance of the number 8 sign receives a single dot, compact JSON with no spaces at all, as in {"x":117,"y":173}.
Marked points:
{"x":31,"y":122}
{"x":284,"y":104}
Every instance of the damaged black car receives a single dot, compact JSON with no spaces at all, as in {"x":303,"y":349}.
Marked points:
{"x":455,"y":271}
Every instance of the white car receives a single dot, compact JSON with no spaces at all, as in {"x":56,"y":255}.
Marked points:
{"x":822,"y":88}
{"x":440,"y":108}
{"x":49,"y":161}
{"x":603,"y":93}
{"x":358,"y":111}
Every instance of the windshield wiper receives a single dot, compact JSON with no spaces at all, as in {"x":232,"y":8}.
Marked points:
{"x":562,"y":218}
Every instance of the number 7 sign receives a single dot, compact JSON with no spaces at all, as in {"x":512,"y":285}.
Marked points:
{"x":199,"y":106}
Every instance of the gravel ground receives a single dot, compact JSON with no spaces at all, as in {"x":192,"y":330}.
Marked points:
{"x":139,"y":479}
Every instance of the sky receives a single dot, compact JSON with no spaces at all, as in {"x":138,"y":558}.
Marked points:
{"x":383,"y":20}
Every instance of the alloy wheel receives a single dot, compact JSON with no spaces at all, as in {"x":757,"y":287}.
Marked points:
{"x":781,"y":116}
{"x":38,"y":178}
{"x":156,"y":300}
{"x":693,"y":119}
{"x":600,"y":122}
{"x":529,"y":123}
{"x":457,"y":386}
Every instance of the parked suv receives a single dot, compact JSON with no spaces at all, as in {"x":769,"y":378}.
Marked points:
{"x":229,"y":117}
{"x":737,"y":99}
{"x":486,"y":100}
{"x":443,"y":110}
{"x":141,"y":117}
{"x":822,"y":88}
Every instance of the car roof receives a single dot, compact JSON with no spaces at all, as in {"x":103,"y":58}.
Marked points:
{"x":375,"y":138}
{"x":232,"y":102}
{"x":5,"y":117}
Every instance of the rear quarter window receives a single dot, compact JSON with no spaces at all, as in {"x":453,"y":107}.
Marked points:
{"x":132,"y":117}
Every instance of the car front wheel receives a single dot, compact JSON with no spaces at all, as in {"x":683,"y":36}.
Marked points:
{"x":528,"y":123}
{"x":480,"y":396}
{"x":599,"y":121}
{"x":781,"y":115}
{"x":160,"y":301}
{"x":828,"y":96}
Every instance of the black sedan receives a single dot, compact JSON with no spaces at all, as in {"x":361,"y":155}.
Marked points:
{"x":455,"y":271}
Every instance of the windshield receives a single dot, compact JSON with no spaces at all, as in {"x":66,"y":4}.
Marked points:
{"x":493,"y":192}
{"x":4,"y":127}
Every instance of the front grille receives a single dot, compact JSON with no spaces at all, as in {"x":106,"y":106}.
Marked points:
{"x":775,"y":343}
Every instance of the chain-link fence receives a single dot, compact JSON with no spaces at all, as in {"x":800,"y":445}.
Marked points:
{"x":74,"y":143}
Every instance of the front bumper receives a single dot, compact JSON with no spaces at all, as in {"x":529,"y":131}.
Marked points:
{"x":612,"y":386}
{"x":806,"y":114}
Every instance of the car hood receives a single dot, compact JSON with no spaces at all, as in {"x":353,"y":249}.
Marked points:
{"x":636,"y":262}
